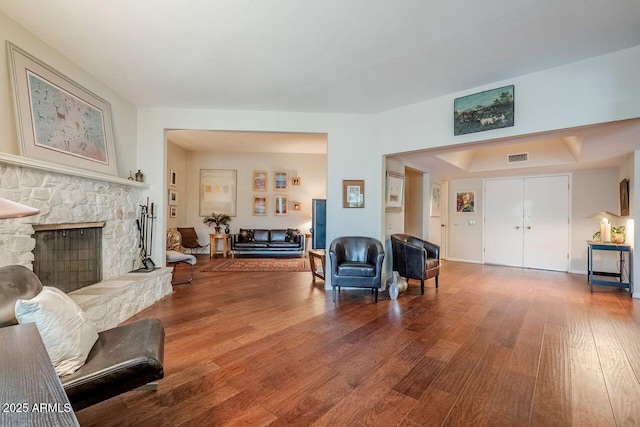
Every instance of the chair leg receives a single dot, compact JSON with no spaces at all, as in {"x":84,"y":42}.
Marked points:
{"x":421,"y":286}
{"x":334,"y":294}
{"x":376,"y":295}
{"x":436,"y":282}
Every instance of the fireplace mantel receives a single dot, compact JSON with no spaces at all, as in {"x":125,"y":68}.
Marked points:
{"x":14,"y":160}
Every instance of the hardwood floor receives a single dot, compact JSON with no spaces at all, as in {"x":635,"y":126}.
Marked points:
{"x":492,"y":346}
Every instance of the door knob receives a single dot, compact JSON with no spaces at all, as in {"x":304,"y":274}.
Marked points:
{"x":517,"y":227}
{"x":441,"y":225}
{"x":528,"y":227}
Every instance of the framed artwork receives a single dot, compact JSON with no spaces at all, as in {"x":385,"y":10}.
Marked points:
{"x":297,"y":206}
{"x":280,"y":180}
{"x":260,"y":204}
{"x":295,"y":180}
{"x":281,"y":205}
{"x":58,"y":120}
{"x":218,"y":191}
{"x":394,"y":191}
{"x":173,"y":211}
{"x":173,"y":198}
{"x":434,"y":208}
{"x":173,"y":178}
{"x":353,"y":193}
{"x":491,"y":109}
{"x":466,"y":202}
{"x":624,"y":197}
{"x":259,"y":180}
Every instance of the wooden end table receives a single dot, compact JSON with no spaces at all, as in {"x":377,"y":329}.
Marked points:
{"x":213,"y":244}
{"x":317,"y":270}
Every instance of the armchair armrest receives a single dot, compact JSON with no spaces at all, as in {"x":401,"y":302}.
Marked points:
{"x":433,"y":250}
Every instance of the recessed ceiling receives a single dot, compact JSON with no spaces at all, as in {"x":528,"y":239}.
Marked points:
{"x":589,"y":147}
{"x":356,"y":56}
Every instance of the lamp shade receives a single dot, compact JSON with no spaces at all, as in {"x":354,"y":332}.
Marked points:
{"x":9,"y":209}
{"x":604,"y":214}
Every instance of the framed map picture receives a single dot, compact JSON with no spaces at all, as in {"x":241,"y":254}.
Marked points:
{"x":59,"y":121}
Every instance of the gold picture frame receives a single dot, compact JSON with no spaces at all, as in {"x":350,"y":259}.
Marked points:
{"x":281,"y":205}
{"x":280,"y":180}
{"x":353,"y":193}
{"x":260,"y":205}
{"x":260,"y":180}
{"x":218,"y":191}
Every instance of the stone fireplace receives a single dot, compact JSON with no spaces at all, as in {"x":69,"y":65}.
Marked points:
{"x":75,"y":198}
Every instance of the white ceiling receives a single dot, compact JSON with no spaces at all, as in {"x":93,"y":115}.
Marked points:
{"x":354,"y":56}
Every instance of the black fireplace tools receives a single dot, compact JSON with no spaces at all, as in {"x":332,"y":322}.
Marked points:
{"x":145,"y":230}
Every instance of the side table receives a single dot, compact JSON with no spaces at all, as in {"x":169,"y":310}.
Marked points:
{"x":213,"y":244}
{"x":317,"y":270}
{"x":624,"y":281}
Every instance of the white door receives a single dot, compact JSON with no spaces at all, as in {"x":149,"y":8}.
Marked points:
{"x":546,"y":222}
{"x":526,"y":222}
{"x":503,"y":233}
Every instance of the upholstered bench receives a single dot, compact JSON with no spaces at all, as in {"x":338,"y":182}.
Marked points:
{"x":174,"y":258}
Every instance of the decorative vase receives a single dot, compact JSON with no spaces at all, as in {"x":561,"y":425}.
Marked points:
{"x":392,"y":285}
{"x":139,"y":176}
{"x":226,"y":229}
{"x":402,"y":284}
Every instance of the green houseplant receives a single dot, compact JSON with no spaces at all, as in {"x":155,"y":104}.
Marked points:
{"x":618,"y":234}
{"x":217,"y":219}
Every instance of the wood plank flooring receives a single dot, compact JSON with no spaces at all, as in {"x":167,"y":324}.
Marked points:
{"x":492,"y":346}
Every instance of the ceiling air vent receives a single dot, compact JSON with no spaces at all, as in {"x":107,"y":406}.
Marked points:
{"x":518,"y":158}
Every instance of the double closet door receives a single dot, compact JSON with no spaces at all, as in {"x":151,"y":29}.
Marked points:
{"x":526,"y":222}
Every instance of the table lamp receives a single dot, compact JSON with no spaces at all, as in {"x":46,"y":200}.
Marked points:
{"x":9,"y":209}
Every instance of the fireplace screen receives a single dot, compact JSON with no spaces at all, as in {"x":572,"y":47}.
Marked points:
{"x":68,"y":259}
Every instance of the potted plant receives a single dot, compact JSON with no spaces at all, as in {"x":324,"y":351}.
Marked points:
{"x":618,"y":235}
{"x":218,"y":220}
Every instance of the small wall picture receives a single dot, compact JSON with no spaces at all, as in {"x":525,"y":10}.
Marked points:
{"x":297,"y":206}
{"x":259,"y":180}
{"x":173,"y":178}
{"x":434,"y":208}
{"x":173,"y":198}
{"x":295,"y":180}
{"x":281,"y":204}
{"x":624,"y":197}
{"x":260,"y":204}
{"x":466,"y":202}
{"x":353,"y":193}
{"x":280,"y":180}
{"x":173,"y":211}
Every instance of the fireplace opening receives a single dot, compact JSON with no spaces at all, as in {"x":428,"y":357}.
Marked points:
{"x":68,"y":256}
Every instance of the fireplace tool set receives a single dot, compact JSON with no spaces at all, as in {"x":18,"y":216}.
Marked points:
{"x":145,"y":229}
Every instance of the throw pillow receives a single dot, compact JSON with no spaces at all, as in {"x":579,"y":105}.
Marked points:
{"x":67,"y":334}
{"x":291,"y":234}
{"x":245,"y":236}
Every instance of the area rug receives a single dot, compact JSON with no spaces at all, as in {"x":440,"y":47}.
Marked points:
{"x":260,"y":264}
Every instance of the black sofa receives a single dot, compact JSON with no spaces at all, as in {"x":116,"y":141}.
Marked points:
{"x":260,"y":242}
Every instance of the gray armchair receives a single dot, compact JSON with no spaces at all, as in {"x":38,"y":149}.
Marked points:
{"x":356,"y":262}
{"x":414,"y":258}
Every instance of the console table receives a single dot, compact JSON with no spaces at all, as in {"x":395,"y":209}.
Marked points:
{"x":31,"y":393}
{"x":622,"y":282}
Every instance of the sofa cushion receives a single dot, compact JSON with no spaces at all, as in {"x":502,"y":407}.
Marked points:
{"x":261,"y":235}
{"x":291,"y":235}
{"x":287,"y":245}
{"x":16,"y":282}
{"x":278,"y":235}
{"x":245,"y":236}
{"x":355,"y":268}
{"x":67,"y":334}
{"x":251,"y":245}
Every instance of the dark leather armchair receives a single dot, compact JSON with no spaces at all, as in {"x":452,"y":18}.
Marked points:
{"x":124,"y":358}
{"x":414,"y":258}
{"x":356,"y":262}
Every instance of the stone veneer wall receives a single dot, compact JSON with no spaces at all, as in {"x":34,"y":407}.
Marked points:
{"x":65,"y":198}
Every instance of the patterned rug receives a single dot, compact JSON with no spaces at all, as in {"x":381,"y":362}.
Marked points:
{"x":260,"y":264}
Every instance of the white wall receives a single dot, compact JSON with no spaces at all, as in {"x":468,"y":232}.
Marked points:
{"x":123,"y":112}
